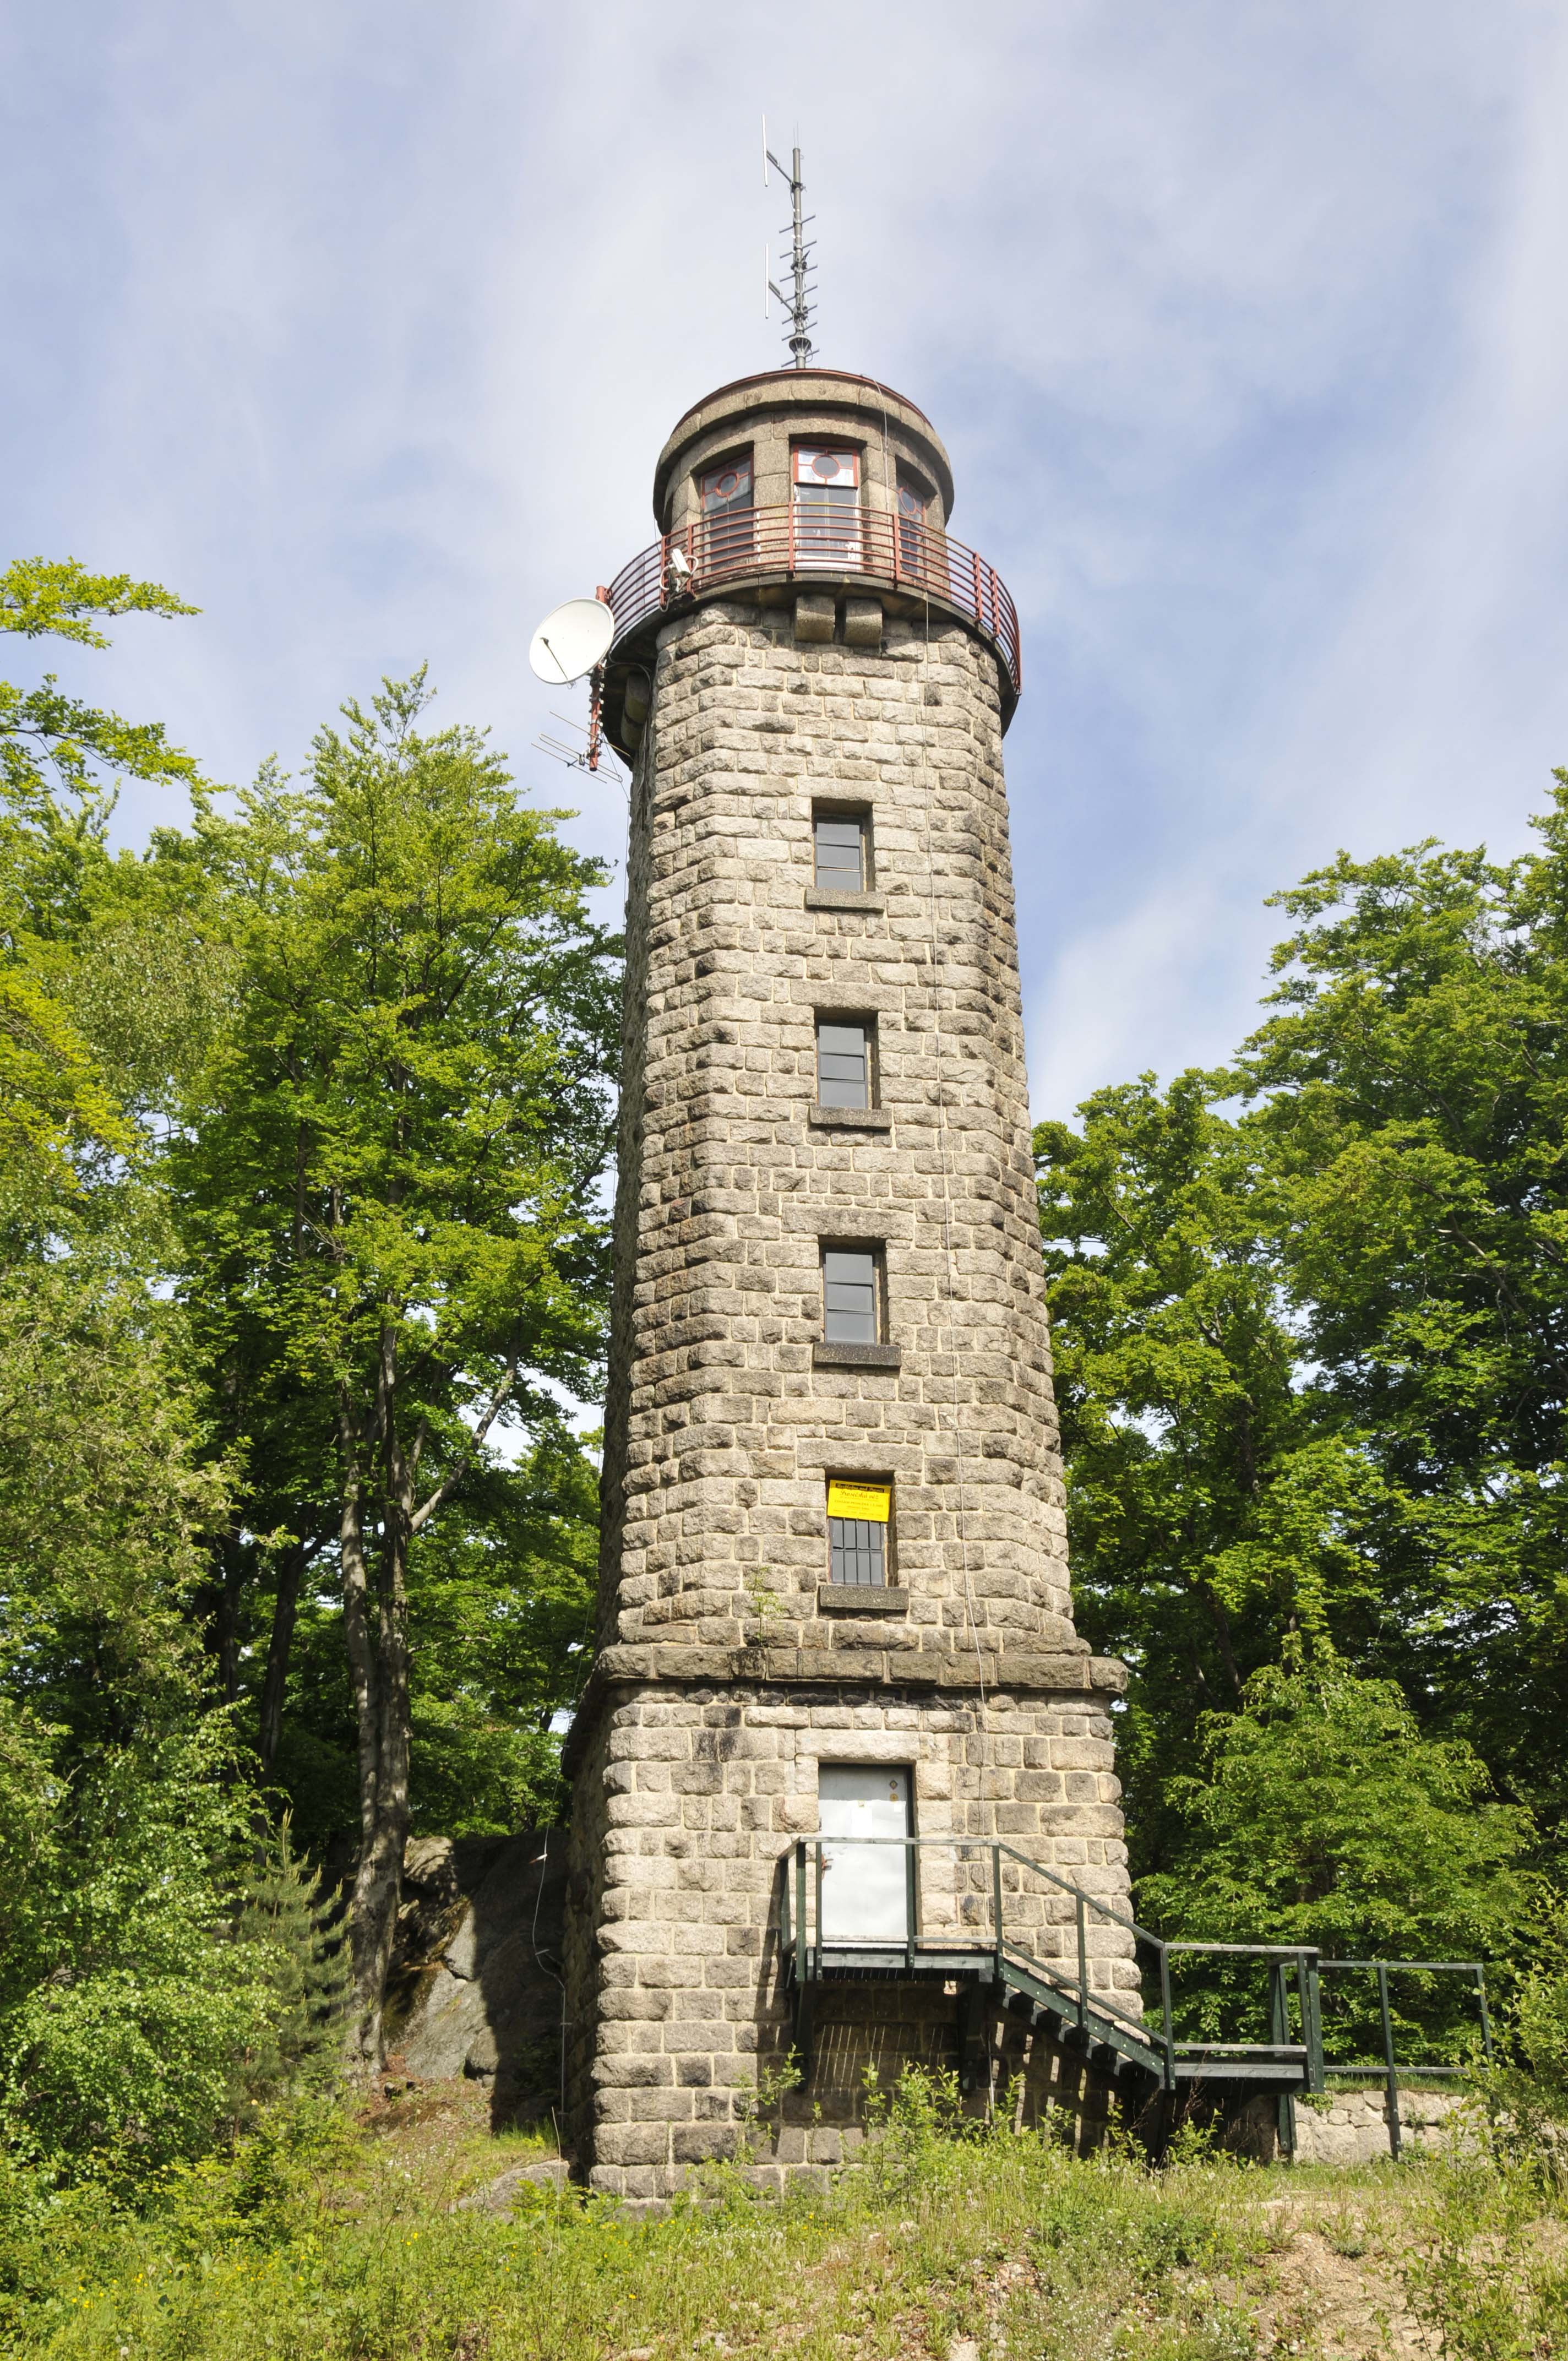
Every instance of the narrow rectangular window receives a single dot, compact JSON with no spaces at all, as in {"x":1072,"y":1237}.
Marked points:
{"x":843,"y":1064}
{"x":826,"y":489}
{"x":860,"y":1515}
{"x":727,"y":537}
{"x":850,"y":1293}
{"x":916,"y":546}
{"x":840,"y":849}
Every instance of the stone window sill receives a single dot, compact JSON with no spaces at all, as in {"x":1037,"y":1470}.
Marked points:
{"x":826,"y":1355}
{"x":854,"y":1118}
{"x":827,"y":897}
{"x":861,"y":1598}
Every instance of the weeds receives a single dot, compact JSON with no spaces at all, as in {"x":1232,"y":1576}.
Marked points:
{"x":313,"y":2241}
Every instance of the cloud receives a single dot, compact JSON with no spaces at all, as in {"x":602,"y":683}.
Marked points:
{"x":363,"y":325}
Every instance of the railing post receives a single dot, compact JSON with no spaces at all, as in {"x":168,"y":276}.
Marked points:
{"x":800,"y":1963}
{"x":817,"y":1949}
{"x":910,"y":1904}
{"x":1279,"y":2032}
{"x":1486,"y":2018}
{"x":1394,"y":2134}
{"x":1312,"y":2011}
{"x":1166,"y":2018}
{"x":996,"y":1909}
{"x":1082,"y":1970}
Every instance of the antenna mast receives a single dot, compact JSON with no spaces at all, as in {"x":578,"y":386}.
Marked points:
{"x":798,"y":307}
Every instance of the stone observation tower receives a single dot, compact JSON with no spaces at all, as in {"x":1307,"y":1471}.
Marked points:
{"x":836,"y":1655}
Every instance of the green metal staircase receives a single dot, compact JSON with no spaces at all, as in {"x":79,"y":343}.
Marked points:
{"x":975,"y":1945}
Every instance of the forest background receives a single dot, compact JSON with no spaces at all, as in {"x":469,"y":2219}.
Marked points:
{"x":308,"y":1110}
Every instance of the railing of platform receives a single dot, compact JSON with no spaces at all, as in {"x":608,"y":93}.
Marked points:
{"x":1002,"y":1915}
{"x":1391,"y":2069}
{"x":800,"y":542}
{"x":1014,"y":1914}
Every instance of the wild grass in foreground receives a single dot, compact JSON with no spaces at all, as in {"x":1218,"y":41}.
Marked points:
{"x":317,"y":2242}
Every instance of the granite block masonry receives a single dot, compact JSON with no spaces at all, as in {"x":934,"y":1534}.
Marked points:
{"x":839,"y":660}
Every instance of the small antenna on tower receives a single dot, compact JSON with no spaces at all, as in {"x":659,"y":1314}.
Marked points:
{"x":799,"y":306}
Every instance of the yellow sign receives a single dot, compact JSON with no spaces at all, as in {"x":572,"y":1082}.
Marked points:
{"x":869,"y":1504}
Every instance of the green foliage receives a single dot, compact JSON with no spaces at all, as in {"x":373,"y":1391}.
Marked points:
{"x":1480,"y":2276}
{"x":1326,"y":1818}
{"x":309,"y":2240}
{"x":283,"y":1933}
{"x":59,"y":760}
{"x":1309,"y":1318}
{"x":1413,"y":1098}
{"x":117,"y":2051}
{"x":392,"y":1144}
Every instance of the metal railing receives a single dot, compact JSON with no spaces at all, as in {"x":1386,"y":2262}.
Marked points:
{"x":793,"y":540}
{"x":972,"y":1934}
{"x":968,"y":1928}
{"x":1391,"y":2068}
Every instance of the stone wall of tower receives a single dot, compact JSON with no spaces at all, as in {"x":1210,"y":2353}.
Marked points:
{"x":687,"y":1807}
{"x":729,"y":1428}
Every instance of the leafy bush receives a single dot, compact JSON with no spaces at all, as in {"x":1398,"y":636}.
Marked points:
{"x":128,"y":2004}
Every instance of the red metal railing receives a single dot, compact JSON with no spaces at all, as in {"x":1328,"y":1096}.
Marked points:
{"x":804,"y":541}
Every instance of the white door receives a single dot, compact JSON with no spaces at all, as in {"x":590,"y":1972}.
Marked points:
{"x":865,"y":1892}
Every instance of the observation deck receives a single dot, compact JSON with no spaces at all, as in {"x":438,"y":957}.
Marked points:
{"x":770,"y":554}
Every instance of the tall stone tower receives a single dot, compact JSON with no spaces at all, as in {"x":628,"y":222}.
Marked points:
{"x":834,"y":1587}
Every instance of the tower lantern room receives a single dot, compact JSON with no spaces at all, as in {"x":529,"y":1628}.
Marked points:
{"x":843,"y":1764}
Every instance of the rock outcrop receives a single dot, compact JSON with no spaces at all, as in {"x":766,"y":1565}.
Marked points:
{"x":476,"y":1987}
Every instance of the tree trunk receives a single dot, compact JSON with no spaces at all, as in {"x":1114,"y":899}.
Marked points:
{"x":379,"y":1659}
{"x":285,"y":1609}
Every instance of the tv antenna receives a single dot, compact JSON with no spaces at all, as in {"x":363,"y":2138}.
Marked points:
{"x":799,"y":306}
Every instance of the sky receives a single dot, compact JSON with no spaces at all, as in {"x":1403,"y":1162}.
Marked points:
{"x":1247,"y":328}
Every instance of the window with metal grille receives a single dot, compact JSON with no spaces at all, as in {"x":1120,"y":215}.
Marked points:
{"x":841,"y":847}
{"x":851,"y":1294}
{"x":859,"y":1520}
{"x":843,"y":1063}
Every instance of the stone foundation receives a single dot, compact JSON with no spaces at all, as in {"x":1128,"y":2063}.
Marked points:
{"x":1349,"y":2126}
{"x":686,"y":1810}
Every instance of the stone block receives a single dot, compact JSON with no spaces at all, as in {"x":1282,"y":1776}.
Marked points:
{"x":815,"y":616}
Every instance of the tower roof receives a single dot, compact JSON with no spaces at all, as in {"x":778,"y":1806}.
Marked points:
{"x":865,"y":399}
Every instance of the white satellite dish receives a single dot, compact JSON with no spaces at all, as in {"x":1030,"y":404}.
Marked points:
{"x":570,"y":642}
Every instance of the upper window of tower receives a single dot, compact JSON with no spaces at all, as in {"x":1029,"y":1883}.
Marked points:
{"x":914,"y":546}
{"x":843,"y":1063}
{"x":842,"y":848}
{"x":725,"y":495}
{"x":827,"y":486}
{"x":851,"y":1295}
{"x":728,"y":487}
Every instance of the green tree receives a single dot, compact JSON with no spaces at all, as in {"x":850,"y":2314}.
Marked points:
{"x":388,"y":1182}
{"x":1325,"y":1815}
{"x":60,"y":762}
{"x":1311,"y":1323}
{"x":1215,"y":1511}
{"x":125,"y":2004}
{"x":1411,"y":1097}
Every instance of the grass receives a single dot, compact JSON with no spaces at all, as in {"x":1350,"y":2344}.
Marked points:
{"x":345,"y":2239}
